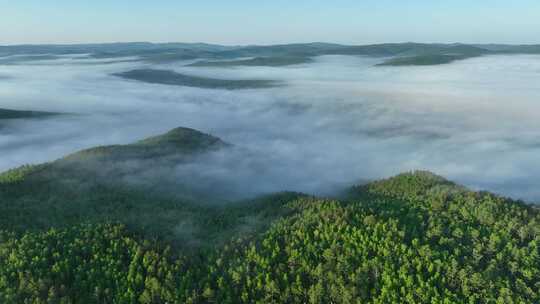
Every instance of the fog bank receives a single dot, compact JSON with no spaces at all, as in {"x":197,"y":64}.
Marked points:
{"x":338,"y":121}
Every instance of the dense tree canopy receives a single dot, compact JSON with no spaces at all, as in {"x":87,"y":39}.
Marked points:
{"x":414,"y":238}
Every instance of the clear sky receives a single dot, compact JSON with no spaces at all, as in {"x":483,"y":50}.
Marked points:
{"x":269,"y":22}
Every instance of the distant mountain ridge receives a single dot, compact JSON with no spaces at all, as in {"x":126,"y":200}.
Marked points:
{"x":165,"y":52}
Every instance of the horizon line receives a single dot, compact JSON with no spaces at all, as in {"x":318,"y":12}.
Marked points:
{"x":255,"y":44}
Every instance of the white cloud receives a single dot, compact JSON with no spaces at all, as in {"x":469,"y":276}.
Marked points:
{"x":340,"y":120}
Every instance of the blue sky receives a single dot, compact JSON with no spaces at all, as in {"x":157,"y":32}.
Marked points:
{"x":277,"y":21}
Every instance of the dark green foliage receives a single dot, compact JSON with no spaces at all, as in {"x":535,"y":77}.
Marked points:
{"x":410,"y":49}
{"x":14,"y":114}
{"x":258,"y":61}
{"x":91,"y":186}
{"x":170,"y":52}
{"x":415,"y":238}
{"x":173,"y":78}
{"x":184,"y":138}
{"x":423,"y":60}
{"x":420,"y":54}
{"x":281,"y":50}
{"x":177,"y":142}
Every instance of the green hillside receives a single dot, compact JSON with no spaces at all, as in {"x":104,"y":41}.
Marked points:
{"x":172,"y":78}
{"x":96,"y":184}
{"x":420,"y":54}
{"x":177,"y":142}
{"x":264,"y":55}
{"x":258,"y":61}
{"x":423,"y":60}
{"x":70,"y":236}
{"x":167,"y":52}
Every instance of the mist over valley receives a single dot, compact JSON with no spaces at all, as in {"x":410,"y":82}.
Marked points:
{"x":333,"y":120}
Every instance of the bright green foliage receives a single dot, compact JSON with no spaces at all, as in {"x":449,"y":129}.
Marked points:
{"x":17,"y":175}
{"x":85,"y":264}
{"x":471,"y":248}
{"x":414,"y":238}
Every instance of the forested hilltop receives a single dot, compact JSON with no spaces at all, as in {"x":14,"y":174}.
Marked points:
{"x":74,"y":231}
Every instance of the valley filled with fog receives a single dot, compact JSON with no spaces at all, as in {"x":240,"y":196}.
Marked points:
{"x":330,"y":123}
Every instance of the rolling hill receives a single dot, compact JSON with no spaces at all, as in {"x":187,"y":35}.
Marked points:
{"x":72,"y":235}
{"x":167,"y":77}
{"x":258,"y":61}
{"x":171,"y":52}
{"x":423,"y":60}
{"x":85,"y":184}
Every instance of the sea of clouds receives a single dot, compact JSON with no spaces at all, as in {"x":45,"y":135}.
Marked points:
{"x":336,"y":122}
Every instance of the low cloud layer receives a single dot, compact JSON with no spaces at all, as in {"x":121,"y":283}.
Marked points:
{"x":339,"y":120}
